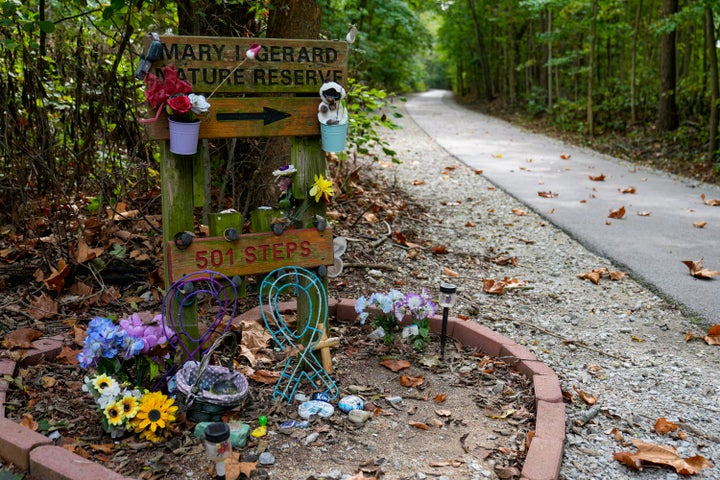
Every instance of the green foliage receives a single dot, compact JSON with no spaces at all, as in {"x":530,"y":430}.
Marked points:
{"x":368,"y":114}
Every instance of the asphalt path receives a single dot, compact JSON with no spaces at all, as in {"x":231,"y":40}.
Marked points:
{"x":650,"y":242}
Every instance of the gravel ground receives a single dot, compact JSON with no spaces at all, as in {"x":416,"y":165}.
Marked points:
{"x":616,"y":340}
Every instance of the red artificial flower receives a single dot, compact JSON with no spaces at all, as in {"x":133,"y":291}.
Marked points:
{"x":179,"y":104}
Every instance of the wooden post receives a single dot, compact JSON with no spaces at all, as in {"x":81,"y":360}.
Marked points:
{"x":176,"y":176}
{"x":217,"y":224}
{"x":309,"y":160}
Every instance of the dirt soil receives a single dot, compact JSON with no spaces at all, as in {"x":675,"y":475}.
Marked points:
{"x":466,"y":417}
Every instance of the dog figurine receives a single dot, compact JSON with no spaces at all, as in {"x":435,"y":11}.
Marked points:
{"x":332,"y":110}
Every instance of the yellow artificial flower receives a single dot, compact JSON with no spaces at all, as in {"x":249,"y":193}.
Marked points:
{"x":130,"y":406}
{"x":103,"y":382}
{"x":321,"y":188}
{"x":114,"y":413}
{"x":155,"y":411}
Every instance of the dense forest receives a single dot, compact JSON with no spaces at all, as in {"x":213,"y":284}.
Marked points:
{"x":644,"y":71}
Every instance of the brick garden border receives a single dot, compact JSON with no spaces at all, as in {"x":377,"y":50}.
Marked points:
{"x":36,"y":454}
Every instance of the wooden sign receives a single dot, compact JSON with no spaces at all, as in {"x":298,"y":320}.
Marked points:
{"x":251,"y":254}
{"x":252,"y":117}
{"x":219,"y":64}
{"x":239,"y":88}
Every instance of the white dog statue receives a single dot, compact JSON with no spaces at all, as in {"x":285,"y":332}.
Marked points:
{"x":332,"y":110}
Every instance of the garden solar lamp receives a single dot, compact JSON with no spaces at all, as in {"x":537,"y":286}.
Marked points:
{"x":218,"y":447}
{"x":446,"y":300}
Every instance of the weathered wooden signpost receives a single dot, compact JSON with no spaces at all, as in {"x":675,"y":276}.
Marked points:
{"x":273,"y":94}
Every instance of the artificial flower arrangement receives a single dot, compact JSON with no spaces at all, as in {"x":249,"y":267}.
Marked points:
{"x":390,"y":310}
{"x":125,"y":410}
{"x":125,"y":355}
{"x":175,"y":95}
{"x":322,"y":188}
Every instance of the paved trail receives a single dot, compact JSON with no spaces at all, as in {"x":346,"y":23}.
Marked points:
{"x":650,"y":246}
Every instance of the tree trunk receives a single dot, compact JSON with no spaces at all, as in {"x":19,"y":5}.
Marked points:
{"x":486,"y":86}
{"x":549,"y":59}
{"x":294,"y":19}
{"x":633,"y":65}
{"x":591,"y":69}
{"x":714,"y":89}
{"x":667,"y":116}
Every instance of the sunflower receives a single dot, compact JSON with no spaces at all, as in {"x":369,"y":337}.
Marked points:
{"x":114,"y":413}
{"x":155,"y":411}
{"x":103,"y":382}
{"x":130,"y":406}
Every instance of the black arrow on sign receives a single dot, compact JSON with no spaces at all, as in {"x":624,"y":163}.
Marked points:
{"x":268,"y":116}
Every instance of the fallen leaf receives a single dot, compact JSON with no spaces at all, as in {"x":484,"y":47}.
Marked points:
{"x":236,"y":468}
{"x":709,"y":201}
{"x":42,"y":307}
{"x":443,"y":413}
{"x":418,"y":182}
{"x":28,"y":422}
{"x":21,"y":338}
{"x":649,"y":453}
{"x":395,"y":365}
{"x":265,"y":376}
{"x":478,"y":171}
{"x":411,"y":382}
{"x":68,"y":356}
{"x":85,"y":253}
{"x":565,"y":156}
{"x":493,"y":287}
{"x":617,"y":213}
{"x":519,"y":212}
{"x":663,"y":426}
{"x":507,"y":473}
{"x":439,"y":249}
{"x":501,"y":260}
{"x":56,"y":281}
{"x":697,"y":270}
{"x":627,"y":190}
{"x":419,"y":425}
{"x":450,"y":273}
{"x":699,"y":224}
{"x":450,"y":463}
{"x":548,"y":194}
{"x":644,"y":214}
{"x":598,"y":178}
{"x":586,"y":397}
{"x":469,"y":224}
{"x":617,"y":435}
{"x":440,"y":398}
{"x":497,"y":155}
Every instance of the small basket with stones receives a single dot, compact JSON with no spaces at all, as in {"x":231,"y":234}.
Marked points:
{"x":209,"y":391}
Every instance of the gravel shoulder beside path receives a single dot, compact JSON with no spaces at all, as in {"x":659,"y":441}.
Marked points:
{"x":616,"y":340}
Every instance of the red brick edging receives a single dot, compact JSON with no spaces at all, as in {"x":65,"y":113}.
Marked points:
{"x":35,"y":453}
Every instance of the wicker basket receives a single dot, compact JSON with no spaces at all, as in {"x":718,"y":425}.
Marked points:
{"x":198,"y":384}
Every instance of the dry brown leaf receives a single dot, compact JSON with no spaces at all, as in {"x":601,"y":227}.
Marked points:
{"x":586,"y":397}
{"x":21,"y":338}
{"x":548,"y":194}
{"x":649,"y":453}
{"x":447,"y":463}
{"x":616,"y":275}
{"x":236,"y":468}
{"x":56,"y":281}
{"x":713,"y":335}
{"x":519,"y":212}
{"x":597,"y":178}
{"x":644,"y":214}
{"x":593,"y":275}
{"x":507,"y":473}
{"x":419,"y":425}
{"x":265,"y":376}
{"x":28,"y":422}
{"x":565,"y":156}
{"x":85,"y":253}
{"x":439,"y":249}
{"x":617,"y":213}
{"x":627,"y":190}
{"x":663,"y":426}
{"x":710,"y":201}
{"x":699,"y":224}
{"x":469,"y":224}
{"x":411,"y":382}
{"x":617,"y":435}
{"x":493,"y":287}
{"x":501,"y":260}
{"x":443,"y":413}
{"x":697,"y":270}
{"x":440,"y":398}
{"x":43,"y":306}
{"x":395,"y":365}
{"x":450,"y":273}
{"x":68,"y":356}
{"x":418,"y":182}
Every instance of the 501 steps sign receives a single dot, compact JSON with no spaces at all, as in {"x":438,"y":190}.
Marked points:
{"x":241,"y":87}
